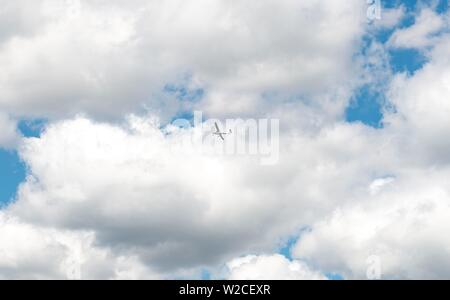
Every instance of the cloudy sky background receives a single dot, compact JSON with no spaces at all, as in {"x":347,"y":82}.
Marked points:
{"x":91,"y":187}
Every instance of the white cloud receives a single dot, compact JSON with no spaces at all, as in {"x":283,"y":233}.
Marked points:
{"x":403,"y":223}
{"x":422,"y":34}
{"x":111,"y":59}
{"x":380,"y":183}
{"x":33,"y":252}
{"x":423,"y":109}
{"x":124,"y":201}
{"x":19,"y":18}
{"x":122,"y":185}
{"x":9,"y":137}
{"x":270,"y":267}
{"x":141,"y":196}
{"x":404,"y":226}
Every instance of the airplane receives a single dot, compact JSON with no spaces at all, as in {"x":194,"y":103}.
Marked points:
{"x":221,"y":134}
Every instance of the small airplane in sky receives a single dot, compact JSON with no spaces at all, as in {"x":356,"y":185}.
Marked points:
{"x":221,"y":134}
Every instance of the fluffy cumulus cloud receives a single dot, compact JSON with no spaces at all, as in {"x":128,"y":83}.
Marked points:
{"x":108,"y":58}
{"x":423,"y":107}
{"x":423,"y":34}
{"x":113,"y":192}
{"x":33,"y":252}
{"x":403,"y":226}
{"x":274,"y":267}
{"x":144,"y":194}
{"x":402,"y":222}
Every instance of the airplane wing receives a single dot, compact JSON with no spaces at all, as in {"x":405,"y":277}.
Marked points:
{"x":221,"y":136}
{"x":217,"y":127}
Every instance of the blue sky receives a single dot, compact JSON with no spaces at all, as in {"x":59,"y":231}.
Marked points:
{"x":12,"y":173}
{"x":13,"y":170}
